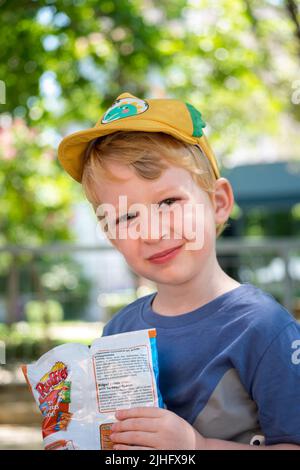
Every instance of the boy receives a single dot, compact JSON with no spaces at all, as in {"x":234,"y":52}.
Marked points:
{"x":229,"y":354}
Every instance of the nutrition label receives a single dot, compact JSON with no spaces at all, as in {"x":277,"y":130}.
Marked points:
{"x":123,"y":378}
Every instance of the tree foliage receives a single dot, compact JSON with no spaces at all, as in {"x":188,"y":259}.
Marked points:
{"x":65,"y":61}
{"x":36,"y":198}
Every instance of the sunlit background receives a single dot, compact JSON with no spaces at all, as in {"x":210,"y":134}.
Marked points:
{"x":63,"y":63}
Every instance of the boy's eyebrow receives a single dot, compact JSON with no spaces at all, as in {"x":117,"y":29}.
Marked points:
{"x":162,"y":191}
{"x":165,"y":190}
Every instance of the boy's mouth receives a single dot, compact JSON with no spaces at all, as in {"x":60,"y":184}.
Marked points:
{"x":163,"y":254}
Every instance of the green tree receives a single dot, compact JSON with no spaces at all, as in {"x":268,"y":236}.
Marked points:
{"x":66,"y":60}
{"x":36,"y":199}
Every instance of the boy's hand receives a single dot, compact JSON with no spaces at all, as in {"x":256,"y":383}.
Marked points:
{"x":153,"y":428}
{"x":156,"y":428}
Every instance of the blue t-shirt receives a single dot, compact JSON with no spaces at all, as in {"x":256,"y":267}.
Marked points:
{"x":231,"y":368}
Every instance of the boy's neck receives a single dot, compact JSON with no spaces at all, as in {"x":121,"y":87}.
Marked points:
{"x":172,"y":300}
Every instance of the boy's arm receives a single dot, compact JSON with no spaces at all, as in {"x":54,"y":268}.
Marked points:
{"x":275,"y":388}
{"x":157,"y":428}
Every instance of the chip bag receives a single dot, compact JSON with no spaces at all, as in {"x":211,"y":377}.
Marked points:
{"x":78,"y":388}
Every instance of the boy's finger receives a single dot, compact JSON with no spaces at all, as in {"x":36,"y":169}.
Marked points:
{"x":136,"y":424}
{"x":135,"y":438}
{"x":142,"y":412}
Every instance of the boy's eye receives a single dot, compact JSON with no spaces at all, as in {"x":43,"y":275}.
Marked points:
{"x":127,"y":217}
{"x":168,"y":201}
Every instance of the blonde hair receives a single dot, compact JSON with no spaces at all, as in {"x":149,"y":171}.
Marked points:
{"x":145,"y":152}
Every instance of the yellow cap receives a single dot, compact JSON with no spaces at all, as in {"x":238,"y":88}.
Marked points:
{"x":129,"y":113}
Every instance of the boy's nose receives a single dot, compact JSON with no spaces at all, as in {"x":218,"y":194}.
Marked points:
{"x":155,"y":227}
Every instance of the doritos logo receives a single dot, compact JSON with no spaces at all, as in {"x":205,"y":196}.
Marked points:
{"x":52,"y":380}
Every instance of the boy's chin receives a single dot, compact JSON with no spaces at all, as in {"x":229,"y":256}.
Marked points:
{"x":170,"y":277}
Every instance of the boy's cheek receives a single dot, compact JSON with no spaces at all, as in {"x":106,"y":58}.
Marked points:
{"x":128,"y":248}
{"x":193,"y":226}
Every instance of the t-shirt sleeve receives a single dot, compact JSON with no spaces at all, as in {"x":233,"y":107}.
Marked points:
{"x":276,"y":388}
{"x":105,"y":331}
{"x":111,"y":327}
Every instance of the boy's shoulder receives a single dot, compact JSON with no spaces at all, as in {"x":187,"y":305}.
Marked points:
{"x":246,"y":308}
{"x":258,"y":309}
{"x":126,"y":318}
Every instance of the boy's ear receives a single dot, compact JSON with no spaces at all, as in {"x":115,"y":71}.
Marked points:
{"x":223,"y":200}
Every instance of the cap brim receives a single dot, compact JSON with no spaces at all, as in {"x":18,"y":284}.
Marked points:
{"x":71,"y":150}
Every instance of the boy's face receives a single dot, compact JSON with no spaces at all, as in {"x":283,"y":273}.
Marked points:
{"x":161,"y":214}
